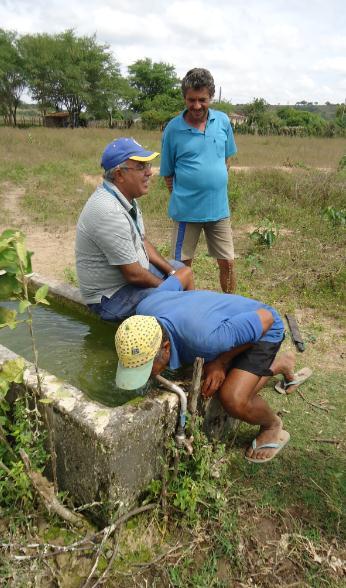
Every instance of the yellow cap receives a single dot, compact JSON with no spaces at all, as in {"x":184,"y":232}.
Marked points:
{"x":137,"y":341}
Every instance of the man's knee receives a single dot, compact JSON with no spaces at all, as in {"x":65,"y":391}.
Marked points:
{"x":233,"y":400}
{"x":176,"y":264}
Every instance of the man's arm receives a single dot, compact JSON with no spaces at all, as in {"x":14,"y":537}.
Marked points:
{"x":137,"y":275}
{"x":156,"y":259}
{"x":169,"y":183}
{"x":215,"y":371}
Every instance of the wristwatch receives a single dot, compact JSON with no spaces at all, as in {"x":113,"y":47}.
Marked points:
{"x":171,"y":273}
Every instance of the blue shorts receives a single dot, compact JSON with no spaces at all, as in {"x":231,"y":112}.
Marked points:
{"x":123,"y":303}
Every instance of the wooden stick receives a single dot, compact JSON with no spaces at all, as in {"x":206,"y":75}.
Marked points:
{"x":103,"y":577}
{"x":3,"y":438}
{"x":88,"y":543}
{"x":334,"y":441}
{"x":312,"y":403}
{"x":97,"y":558}
{"x":45,"y":490}
{"x":195,"y":389}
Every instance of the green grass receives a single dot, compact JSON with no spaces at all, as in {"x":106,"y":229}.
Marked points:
{"x":232,"y":525}
{"x":304,"y":267}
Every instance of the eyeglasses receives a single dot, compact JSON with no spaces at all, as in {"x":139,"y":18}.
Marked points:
{"x":140,"y":167}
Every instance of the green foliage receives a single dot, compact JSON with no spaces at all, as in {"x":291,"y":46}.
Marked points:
{"x":223,"y":105}
{"x":14,"y":262}
{"x":313,"y":123}
{"x":70,"y":276}
{"x":265,"y":234}
{"x":20,"y":422}
{"x":70,"y":72}
{"x":195,"y":492}
{"x":161,"y":109}
{"x":336,"y":217}
{"x":342,"y":163}
{"x":151,"y":80}
{"x":255,"y":111}
{"x":21,"y":433}
{"x":12,"y":75}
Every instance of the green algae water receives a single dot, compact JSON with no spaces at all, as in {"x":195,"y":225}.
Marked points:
{"x":77,"y":348}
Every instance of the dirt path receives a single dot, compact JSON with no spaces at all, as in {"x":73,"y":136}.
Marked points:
{"x":53,"y":249}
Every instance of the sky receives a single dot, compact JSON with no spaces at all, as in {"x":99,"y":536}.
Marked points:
{"x":283,"y":51}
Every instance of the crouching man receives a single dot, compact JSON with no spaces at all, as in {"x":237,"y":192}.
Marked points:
{"x":239,"y":339}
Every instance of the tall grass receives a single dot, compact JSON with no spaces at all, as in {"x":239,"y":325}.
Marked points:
{"x":31,"y":147}
{"x":306,"y":264}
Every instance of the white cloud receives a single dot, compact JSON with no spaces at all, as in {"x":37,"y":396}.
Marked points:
{"x":336,"y":64}
{"x":281,"y":50}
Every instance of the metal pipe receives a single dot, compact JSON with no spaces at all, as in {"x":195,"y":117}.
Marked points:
{"x":180,"y":435}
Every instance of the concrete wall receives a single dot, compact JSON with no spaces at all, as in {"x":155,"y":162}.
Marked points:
{"x":103,"y":454}
{"x":108,"y":454}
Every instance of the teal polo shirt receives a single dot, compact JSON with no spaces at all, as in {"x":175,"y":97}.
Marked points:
{"x":196,"y":160}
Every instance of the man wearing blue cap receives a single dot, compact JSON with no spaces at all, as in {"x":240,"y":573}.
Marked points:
{"x":116,"y":264}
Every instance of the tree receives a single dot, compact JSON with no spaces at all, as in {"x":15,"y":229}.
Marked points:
{"x":160,"y":109}
{"x":224,"y":106}
{"x":115,"y":100}
{"x":84,"y":72}
{"x":255,"y":111}
{"x":313,"y":123}
{"x":12,"y":76}
{"x":75,"y":73}
{"x":40,"y":56}
{"x":150,"y":80}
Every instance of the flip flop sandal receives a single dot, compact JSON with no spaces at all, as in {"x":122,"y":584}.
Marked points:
{"x":277,"y":446}
{"x":283,"y":387}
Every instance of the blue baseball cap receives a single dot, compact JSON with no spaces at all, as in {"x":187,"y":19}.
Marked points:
{"x":122,"y":149}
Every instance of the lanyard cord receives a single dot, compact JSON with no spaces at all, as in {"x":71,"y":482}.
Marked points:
{"x":132,"y":212}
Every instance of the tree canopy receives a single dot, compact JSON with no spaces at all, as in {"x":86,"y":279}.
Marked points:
{"x":75,"y":73}
{"x":78,"y":74}
{"x":150,"y":80}
{"x":12,"y":75}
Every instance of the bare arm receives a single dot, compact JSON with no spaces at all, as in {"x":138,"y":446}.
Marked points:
{"x":215,"y":371}
{"x":266,"y":319}
{"x":156,"y":259}
{"x":137,"y":275}
{"x":169,"y":183}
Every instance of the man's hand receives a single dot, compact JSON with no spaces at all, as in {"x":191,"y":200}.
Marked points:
{"x":214,"y":376}
{"x":185,"y":277}
{"x":169,"y":183}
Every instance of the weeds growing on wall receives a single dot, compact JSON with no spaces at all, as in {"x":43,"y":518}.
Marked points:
{"x":20,"y":421}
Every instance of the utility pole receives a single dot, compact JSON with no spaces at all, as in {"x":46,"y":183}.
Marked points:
{"x":220,"y":94}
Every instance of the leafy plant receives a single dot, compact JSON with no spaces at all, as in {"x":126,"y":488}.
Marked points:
{"x":265,"y":234}
{"x":21,"y":426}
{"x":192,"y":487}
{"x":335,"y":216}
{"x":342,"y":163}
{"x":71,"y":276}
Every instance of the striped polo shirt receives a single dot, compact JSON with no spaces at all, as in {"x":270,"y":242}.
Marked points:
{"x":107,"y":237}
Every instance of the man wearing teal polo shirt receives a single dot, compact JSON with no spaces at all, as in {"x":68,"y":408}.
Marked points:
{"x":196,"y":149}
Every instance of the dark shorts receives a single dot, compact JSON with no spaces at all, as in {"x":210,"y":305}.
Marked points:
{"x":124,"y":302}
{"x":258,"y":359}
